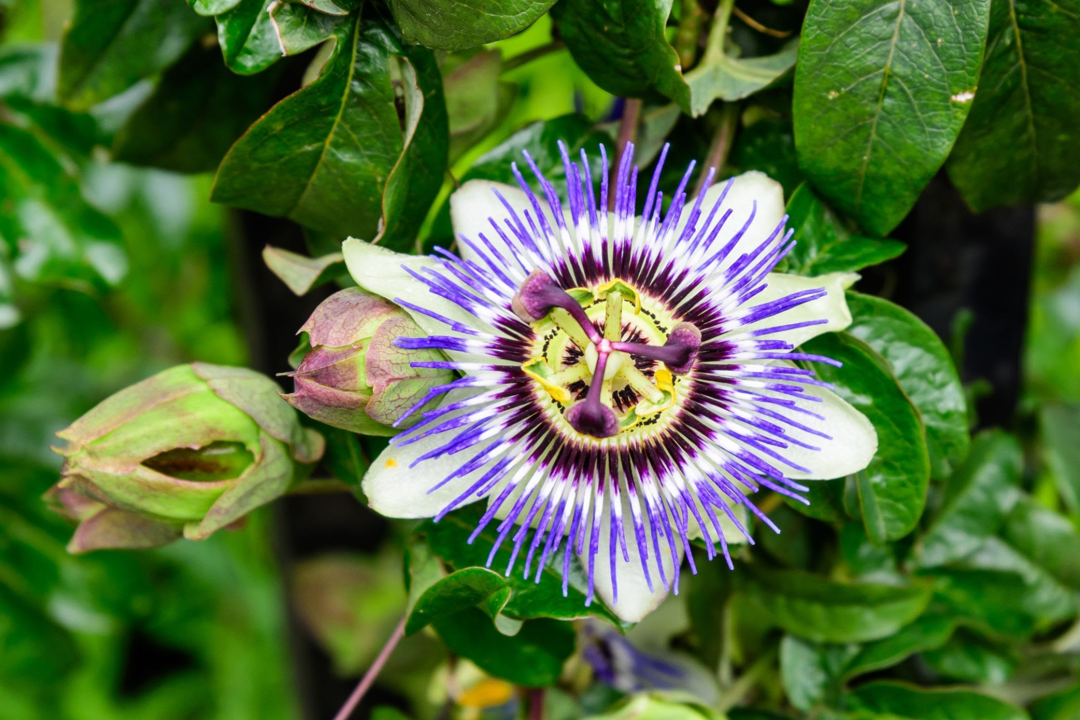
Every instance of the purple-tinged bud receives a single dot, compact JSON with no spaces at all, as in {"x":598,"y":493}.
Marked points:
{"x":184,"y":453}
{"x":354,"y":377}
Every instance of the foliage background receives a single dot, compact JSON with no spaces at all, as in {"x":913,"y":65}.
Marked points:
{"x":116,"y":265}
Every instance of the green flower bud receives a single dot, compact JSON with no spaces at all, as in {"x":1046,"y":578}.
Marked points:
{"x":183,"y":453}
{"x":354,"y":377}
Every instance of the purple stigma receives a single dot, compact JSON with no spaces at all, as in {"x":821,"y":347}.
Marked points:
{"x":678,"y":353}
{"x":591,"y":416}
{"x":539,"y":294}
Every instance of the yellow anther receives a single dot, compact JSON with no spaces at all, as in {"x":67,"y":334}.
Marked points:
{"x":539,"y":371}
{"x":618,"y":286}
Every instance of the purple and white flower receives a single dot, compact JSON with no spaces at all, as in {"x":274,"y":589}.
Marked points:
{"x":625,"y":381}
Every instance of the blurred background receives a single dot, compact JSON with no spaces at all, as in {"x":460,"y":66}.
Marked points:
{"x":279,"y":618}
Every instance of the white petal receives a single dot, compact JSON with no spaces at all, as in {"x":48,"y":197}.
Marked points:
{"x":732,"y":534}
{"x":746,"y":189}
{"x":396,"y":490}
{"x":635,"y":600}
{"x":475,"y":203}
{"x":832,"y":307}
{"x":853,"y":444}
{"x":380,"y":271}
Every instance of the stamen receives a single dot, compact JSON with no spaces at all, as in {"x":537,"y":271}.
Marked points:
{"x":539,"y":295}
{"x":678,"y":353}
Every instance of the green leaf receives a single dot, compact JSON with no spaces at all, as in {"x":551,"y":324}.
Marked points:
{"x":976,"y":500}
{"x":1062,"y":452}
{"x":195,"y":114}
{"x":722,"y":77}
{"x":824,"y":245}
{"x":622,"y":47}
{"x":880,"y":92}
{"x":533,"y":657}
{"x":866,"y":561}
{"x":112,"y":44}
{"x":969,"y":658}
{"x":51,"y":233}
{"x":925,"y":371}
{"x":926,"y":633}
{"x":344,"y":458}
{"x":335,"y":155}
{"x":989,"y":600}
{"x":826,"y":501}
{"x":1047,"y":539}
{"x":1020,"y":143}
{"x":892,"y":490}
{"x":1064,"y":705}
{"x":25,"y":631}
{"x":460,"y":24}
{"x":812,"y":607}
{"x":435,"y":595}
{"x":476,"y":102}
{"x":903,"y":702}
{"x":811,"y":673}
{"x":209,"y":8}
{"x":767,"y":143}
{"x":247,"y":38}
{"x":449,"y":540}
{"x":300,"y":272}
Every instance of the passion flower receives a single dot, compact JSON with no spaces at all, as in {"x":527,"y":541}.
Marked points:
{"x":626,"y":381}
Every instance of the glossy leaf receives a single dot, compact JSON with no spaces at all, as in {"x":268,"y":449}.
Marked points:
{"x":621,"y":46}
{"x":811,"y":673}
{"x":969,"y":659}
{"x":990,"y":600}
{"x":111,"y":45}
{"x":1059,"y":424}
{"x":460,"y":24}
{"x":898,"y":701}
{"x":722,"y":77}
{"x":247,"y":38}
{"x":1047,"y":539}
{"x":335,"y":155}
{"x":926,"y":633}
{"x":1020,"y":142}
{"x":925,"y":371}
{"x":194,"y":115}
{"x":824,"y":245}
{"x":210,"y":8}
{"x":449,"y":540}
{"x":814,"y":608}
{"x":892,"y":490}
{"x":976,"y":500}
{"x":475,"y":100}
{"x":435,"y":594}
{"x":881,"y":92}
{"x":533,"y":657}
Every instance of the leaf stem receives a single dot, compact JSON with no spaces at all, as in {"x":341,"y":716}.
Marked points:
{"x":372,"y":673}
{"x":686,"y":39}
{"x":530,"y":55}
{"x":721,"y":145}
{"x":714,"y":47}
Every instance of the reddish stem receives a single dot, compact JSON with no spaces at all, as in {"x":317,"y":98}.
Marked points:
{"x":536,"y":704}
{"x":372,"y":673}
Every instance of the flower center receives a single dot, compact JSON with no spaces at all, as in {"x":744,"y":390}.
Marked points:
{"x":609,"y":362}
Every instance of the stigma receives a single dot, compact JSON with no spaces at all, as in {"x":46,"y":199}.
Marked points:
{"x":608,"y":367}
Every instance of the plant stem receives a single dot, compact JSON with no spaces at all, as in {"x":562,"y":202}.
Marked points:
{"x":320,"y":487}
{"x":714,"y":47}
{"x":530,"y":55}
{"x":721,"y":145}
{"x":536,"y":703}
{"x":372,"y":673}
{"x":627,"y":134}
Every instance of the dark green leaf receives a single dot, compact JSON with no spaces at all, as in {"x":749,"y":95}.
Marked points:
{"x":824,"y":245}
{"x":196,"y":113}
{"x":449,"y":540}
{"x":990,"y":600}
{"x":210,"y":8}
{"x":968,"y":658}
{"x":1060,"y":706}
{"x":892,"y":490}
{"x":533,"y":657}
{"x":621,"y":46}
{"x":460,"y":24}
{"x":927,"y":632}
{"x":826,"y":501}
{"x":33,"y":648}
{"x":247,"y":38}
{"x":112,"y":44}
{"x":722,"y":77}
{"x":881,"y":92}
{"x":925,"y":371}
{"x":1047,"y":539}
{"x":344,"y":457}
{"x":1020,"y":143}
{"x":903,"y":702}
{"x":300,"y":272}
{"x":766,"y":142}
{"x":435,"y":595}
{"x":335,"y":155}
{"x":976,"y":500}
{"x":866,"y":561}
{"x":1059,"y":424}
{"x":812,"y":607}
{"x":811,"y":672}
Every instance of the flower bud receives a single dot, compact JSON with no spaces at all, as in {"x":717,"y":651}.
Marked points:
{"x":183,"y":453}
{"x":354,"y":377}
